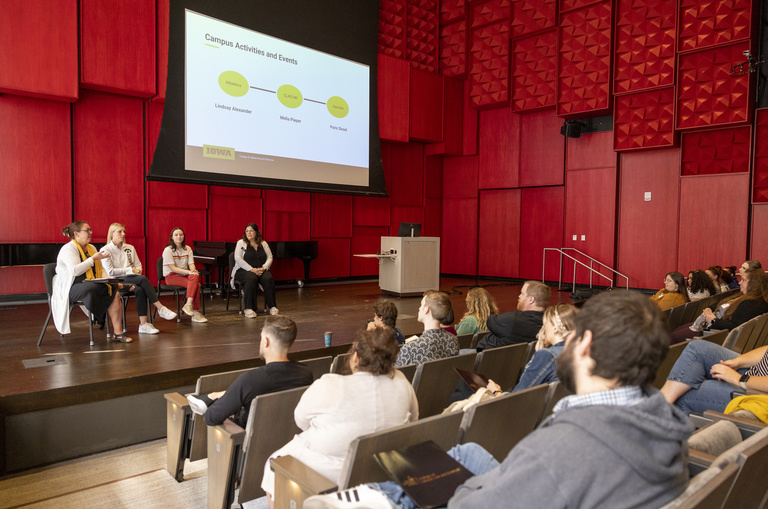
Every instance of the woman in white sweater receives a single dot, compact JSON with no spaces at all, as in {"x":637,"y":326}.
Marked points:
{"x":124,"y":261}
{"x":336,"y":409}
{"x":76,"y":265}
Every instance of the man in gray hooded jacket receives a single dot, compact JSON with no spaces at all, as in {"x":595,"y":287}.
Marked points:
{"x":615,"y":443}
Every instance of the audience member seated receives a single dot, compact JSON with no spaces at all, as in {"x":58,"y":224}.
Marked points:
{"x":733,"y":311}
{"x":435,"y":342}
{"x":253,"y":258}
{"x":614,"y":443}
{"x":336,"y":409}
{"x":76,"y":264}
{"x":179,"y":269}
{"x":732,"y":271}
{"x":674,"y":292}
{"x":385,"y":315}
{"x":277,"y":374}
{"x":750,"y":265}
{"x":715,"y":274}
{"x":700,"y":286}
{"x":447,"y":324}
{"x":124,"y":261}
{"x":480,"y":305}
{"x":706,"y":374}
{"x":558,"y":322}
{"x":521,"y":325}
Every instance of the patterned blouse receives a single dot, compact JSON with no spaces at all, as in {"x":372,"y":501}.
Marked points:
{"x":433,"y":344}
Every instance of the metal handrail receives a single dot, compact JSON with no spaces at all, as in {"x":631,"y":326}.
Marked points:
{"x":575,"y":262}
{"x":599,"y":263}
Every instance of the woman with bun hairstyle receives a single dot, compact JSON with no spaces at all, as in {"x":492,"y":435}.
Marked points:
{"x":252,"y":261}
{"x":76,"y":264}
{"x":179,"y":269}
{"x":124,"y":261}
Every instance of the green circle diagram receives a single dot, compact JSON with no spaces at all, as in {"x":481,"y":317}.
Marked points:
{"x":338,"y":107}
{"x":233,"y":83}
{"x":289,"y":96}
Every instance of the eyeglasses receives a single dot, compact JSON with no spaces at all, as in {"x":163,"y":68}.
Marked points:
{"x":87,"y":230}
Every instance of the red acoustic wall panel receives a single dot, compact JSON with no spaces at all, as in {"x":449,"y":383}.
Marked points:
{"x":590,"y":151}
{"x":699,"y":219}
{"x":393,"y":95}
{"x":760,"y":166}
{"x":542,"y":149}
{"x":433,"y":217}
{"x":471,"y":121}
{"x":422,"y":34}
{"x":286,"y":225}
{"x":758,"y":246}
{"x":153,"y":119}
{"x":35,"y":140}
{"x":590,"y":215}
{"x":707,"y":94}
{"x":719,"y":151}
{"x":286,"y":201}
{"x":645,"y":45}
{"x":160,"y":222}
{"x":453,"y":124}
{"x":584,"y":63}
{"x":647,"y":243}
{"x":170,"y":194}
{"x":286,"y":218}
{"x":405,"y":214}
{"x":452,"y":10}
{"x":370,"y":211}
{"x":705,"y":23}
{"x":118,"y":46}
{"x":453,"y":48}
{"x":644,"y":120}
{"x":500,"y":151}
{"x":366,"y":240}
{"x":569,"y":5}
{"x":333,"y":259}
{"x":541,"y":227}
{"x":534,"y":71}
{"x":109,"y":161}
{"x":163,"y":13}
{"x":460,"y":177}
{"x":489,"y":65}
{"x":531,"y":16}
{"x":485,"y":12}
{"x":392,"y":28}
{"x":404,"y":170}
{"x":499,"y":233}
{"x":426,"y":106}
{"x":331,"y":215}
{"x":22,"y":279}
{"x":458,"y":243}
{"x":40,"y":59}
{"x":228,"y":215}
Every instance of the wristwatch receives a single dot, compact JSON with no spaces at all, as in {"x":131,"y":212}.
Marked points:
{"x":743,"y":381}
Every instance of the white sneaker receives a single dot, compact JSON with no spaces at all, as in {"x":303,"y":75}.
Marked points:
{"x":188,"y":309}
{"x":273,"y":311}
{"x":250,"y":313}
{"x":197,"y":405}
{"x":199,"y":318}
{"x":148,"y":328}
{"x":166,"y":313}
{"x":359,"y":497}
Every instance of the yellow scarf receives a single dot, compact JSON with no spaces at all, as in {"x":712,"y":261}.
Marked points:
{"x":94,"y":272}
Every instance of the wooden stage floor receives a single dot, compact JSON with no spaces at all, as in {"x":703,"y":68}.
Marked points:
{"x":183,"y":351}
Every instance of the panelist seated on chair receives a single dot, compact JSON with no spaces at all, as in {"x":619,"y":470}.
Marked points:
{"x":179,"y":269}
{"x":336,"y":409}
{"x":435,"y":342}
{"x":614,"y":443}
{"x":252,"y":261}
{"x":123,"y":261}
{"x":77,"y":262}
{"x":278,"y":373}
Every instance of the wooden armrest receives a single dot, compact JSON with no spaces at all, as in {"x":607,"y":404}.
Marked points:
{"x":225,"y":443}
{"x":743,"y":424}
{"x":296,"y":471}
{"x":699,"y":458}
{"x":176,"y":399}
{"x":177,"y":422}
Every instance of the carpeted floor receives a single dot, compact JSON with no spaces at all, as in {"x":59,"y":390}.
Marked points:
{"x":132,"y":477}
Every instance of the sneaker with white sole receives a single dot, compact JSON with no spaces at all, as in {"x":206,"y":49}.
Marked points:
{"x":166,"y":313}
{"x":187,"y":309}
{"x":250,"y":313}
{"x":273,"y":310}
{"x":148,"y":328}
{"x":197,"y":405}
{"x":359,"y":497}
{"x":198,"y":317}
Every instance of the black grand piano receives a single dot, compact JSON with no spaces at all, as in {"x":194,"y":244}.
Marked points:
{"x":305,"y":250}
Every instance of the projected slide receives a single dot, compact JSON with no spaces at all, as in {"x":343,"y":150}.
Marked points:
{"x":263,"y":107}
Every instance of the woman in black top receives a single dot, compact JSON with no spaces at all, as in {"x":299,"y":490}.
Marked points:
{"x":252,"y":261}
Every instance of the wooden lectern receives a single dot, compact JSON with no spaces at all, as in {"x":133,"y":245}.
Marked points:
{"x":409,"y":265}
